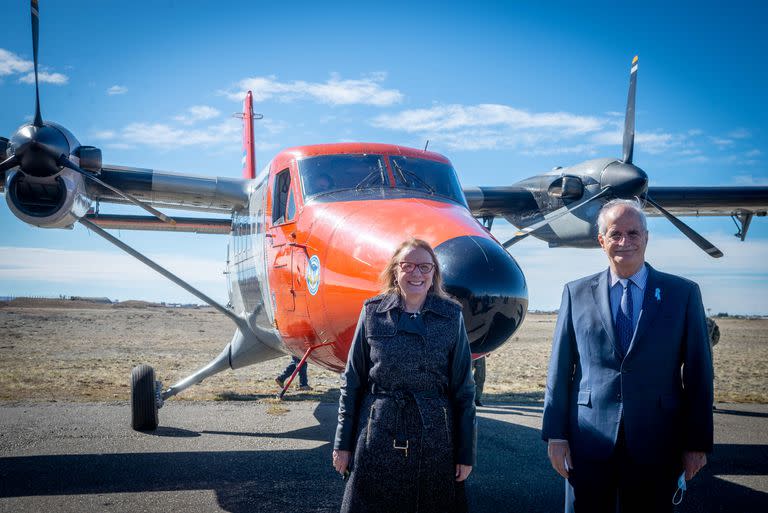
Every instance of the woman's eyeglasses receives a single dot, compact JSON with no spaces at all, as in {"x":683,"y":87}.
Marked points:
{"x":409,"y":267}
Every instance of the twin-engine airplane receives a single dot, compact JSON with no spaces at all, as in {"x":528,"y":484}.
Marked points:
{"x":311,"y":232}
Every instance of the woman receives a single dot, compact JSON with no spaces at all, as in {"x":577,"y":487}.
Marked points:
{"x":407,"y":409}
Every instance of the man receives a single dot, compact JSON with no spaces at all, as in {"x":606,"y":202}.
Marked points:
{"x":478,"y":371}
{"x":303,"y":378}
{"x":628,"y":404}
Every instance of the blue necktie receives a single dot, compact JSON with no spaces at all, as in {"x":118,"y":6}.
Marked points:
{"x":624,"y":326}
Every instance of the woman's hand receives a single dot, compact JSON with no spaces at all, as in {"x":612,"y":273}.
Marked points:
{"x":341,"y":461}
{"x":462,"y":471}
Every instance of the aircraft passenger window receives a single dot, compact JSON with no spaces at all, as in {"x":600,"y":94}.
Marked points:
{"x":280,"y":198}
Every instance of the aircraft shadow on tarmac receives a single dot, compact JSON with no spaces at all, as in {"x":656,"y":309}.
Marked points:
{"x":513,"y":473}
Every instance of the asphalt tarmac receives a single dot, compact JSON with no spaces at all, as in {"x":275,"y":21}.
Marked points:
{"x":234,"y":456}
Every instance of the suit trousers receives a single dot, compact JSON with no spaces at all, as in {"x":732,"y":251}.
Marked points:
{"x":619,"y":484}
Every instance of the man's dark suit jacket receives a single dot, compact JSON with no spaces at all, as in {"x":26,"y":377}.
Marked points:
{"x":662,"y":388}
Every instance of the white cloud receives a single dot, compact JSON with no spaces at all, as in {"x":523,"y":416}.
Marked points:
{"x":740,"y":133}
{"x":721,"y":142}
{"x":657,"y":142}
{"x":272,"y":126}
{"x":491,"y":126}
{"x":160,"y":135}
{"x":117,"y":89}
{"x":750,"y":180}
{"x":334,"y":91}
{"x":45,"y":77}
{"x":11,"y":64}
{"x":454,"y":117}
{"x":103,"y":134}
{"x":197,"y":113}
{"x":581,"y":149}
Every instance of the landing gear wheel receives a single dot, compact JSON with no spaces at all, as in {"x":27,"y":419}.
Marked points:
{"x":143,"y":398}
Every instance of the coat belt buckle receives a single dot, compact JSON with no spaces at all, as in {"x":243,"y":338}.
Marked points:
{"x":403,"y":448}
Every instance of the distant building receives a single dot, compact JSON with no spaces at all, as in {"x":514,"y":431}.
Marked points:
{"x":100,"y":300}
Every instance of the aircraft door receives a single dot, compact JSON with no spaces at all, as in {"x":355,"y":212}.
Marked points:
{"x":281,"y":252}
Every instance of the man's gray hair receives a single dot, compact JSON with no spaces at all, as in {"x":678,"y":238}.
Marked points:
{"x":632,"y":204}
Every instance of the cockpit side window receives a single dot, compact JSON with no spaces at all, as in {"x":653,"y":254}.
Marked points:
{"x":283,"y":203}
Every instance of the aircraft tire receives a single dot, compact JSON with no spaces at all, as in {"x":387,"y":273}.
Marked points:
{"x":143,"y":401}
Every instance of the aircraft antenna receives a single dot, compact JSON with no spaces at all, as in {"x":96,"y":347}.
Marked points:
{"x":426,"y":145}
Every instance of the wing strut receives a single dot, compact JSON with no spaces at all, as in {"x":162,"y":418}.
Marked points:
{"x":241,"y":324}
{"x":742,"y":220}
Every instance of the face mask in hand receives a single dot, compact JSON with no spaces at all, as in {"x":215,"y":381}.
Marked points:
{"x":677,"y":498}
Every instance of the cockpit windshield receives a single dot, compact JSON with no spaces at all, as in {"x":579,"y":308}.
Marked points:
{"x":366,"y":174}
{"x":330,"y":173}
{"x":428,"y":176}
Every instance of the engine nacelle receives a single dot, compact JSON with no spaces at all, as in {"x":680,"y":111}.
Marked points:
{"x":48,"y":202}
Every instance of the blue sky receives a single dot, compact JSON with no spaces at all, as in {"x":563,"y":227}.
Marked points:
{"x":505,"y":91}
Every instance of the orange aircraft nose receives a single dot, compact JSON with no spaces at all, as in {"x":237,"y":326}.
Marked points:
{"x":476,"y":269}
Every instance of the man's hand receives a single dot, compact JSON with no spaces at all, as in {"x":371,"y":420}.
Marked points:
{"x":693,"y":461}
{"x":559,"y":453}
{"x":462,"y":471}
{"x":341,"y":461}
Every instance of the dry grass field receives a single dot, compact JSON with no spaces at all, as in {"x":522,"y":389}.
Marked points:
{"x":78,"y":351}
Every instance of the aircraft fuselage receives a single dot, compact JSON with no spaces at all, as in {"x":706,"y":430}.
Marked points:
{"x":322,"y":223}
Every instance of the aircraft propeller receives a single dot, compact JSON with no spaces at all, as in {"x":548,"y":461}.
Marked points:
{"x":622,"y":179}
{"x":43,"y":150}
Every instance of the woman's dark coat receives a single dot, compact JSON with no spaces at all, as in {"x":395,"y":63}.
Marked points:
{"x":409,"y":382}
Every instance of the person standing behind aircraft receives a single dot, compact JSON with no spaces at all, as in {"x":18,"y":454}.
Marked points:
{"x":303,"y":377}
{"x":407,"y":409}
{"x":478,"y":372}
{"x":628,"y":404}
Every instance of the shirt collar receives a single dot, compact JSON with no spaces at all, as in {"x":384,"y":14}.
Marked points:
{"x":433,"y":303}
{"x":639,"y":278}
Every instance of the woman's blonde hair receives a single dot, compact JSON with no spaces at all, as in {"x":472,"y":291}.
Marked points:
{"x":388,"y":281}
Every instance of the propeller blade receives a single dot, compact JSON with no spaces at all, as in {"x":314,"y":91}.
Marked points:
{"x":557,"y":214}
{"x":64,"y":161}
{"x":628,"y":145}
{"x":38,"y":122}
{"x":9,"y":163}
{"x":689,"y":232}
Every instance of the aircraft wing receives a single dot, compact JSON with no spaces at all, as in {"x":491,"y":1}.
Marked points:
{"x":684,"y":201}
{"x":710,"y":201}
{"x":157,"y":189}
{"x":163,"y":189}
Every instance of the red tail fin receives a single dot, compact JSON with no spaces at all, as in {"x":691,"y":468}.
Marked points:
{"x":249,"y":154}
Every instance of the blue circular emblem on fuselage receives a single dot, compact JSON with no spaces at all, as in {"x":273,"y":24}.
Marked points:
{"x":313,"y":275}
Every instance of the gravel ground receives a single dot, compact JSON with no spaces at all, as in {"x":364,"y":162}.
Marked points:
{"x":78,"y":351}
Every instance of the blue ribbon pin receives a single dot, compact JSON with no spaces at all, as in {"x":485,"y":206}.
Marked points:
{"x":658,"y":294}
